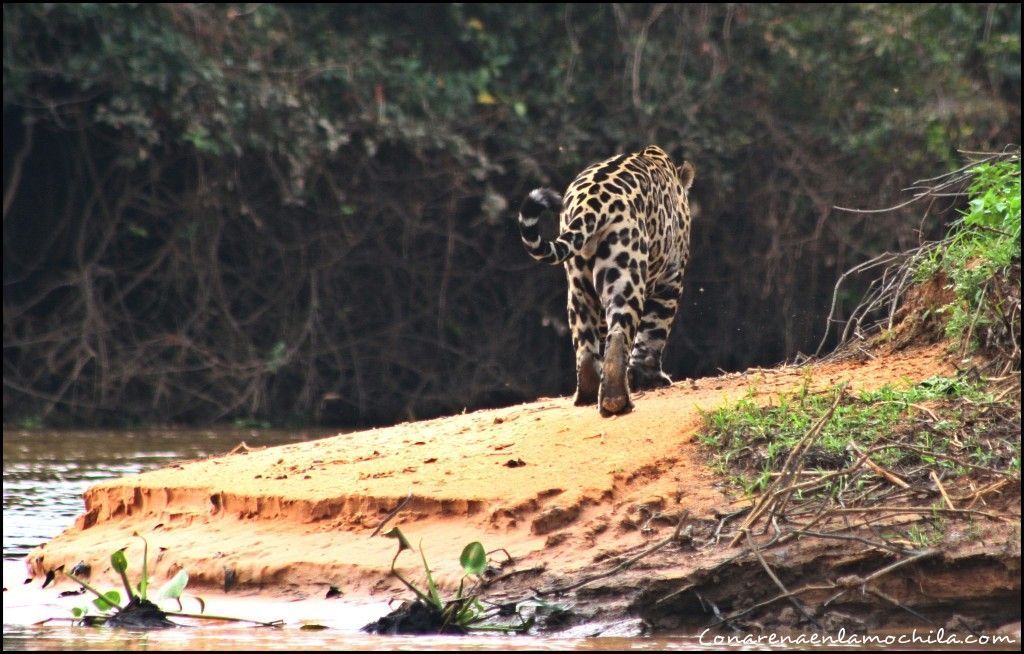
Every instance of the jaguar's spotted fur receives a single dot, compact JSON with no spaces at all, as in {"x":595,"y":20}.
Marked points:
{"x":625,"y":242}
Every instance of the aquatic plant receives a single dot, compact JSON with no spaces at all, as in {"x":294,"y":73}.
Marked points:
{"x":141,"y":611}
{"x":430,"y":613}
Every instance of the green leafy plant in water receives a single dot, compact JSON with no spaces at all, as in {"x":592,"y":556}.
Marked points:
{"x":109,"y":605}
{"x":464,"y":612}
{"x":141,"y":611}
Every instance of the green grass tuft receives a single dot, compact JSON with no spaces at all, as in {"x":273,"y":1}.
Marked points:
{"x":749,"y":441}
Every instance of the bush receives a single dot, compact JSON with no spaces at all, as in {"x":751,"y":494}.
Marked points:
{"x":302,"y":212}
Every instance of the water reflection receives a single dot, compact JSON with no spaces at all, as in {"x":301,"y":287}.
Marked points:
{"x":46,"y":472}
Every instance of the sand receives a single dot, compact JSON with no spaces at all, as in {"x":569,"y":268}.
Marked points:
{"x":557,"y":486}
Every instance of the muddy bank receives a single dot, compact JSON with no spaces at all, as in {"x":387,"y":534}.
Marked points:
{"x":568,"y":494}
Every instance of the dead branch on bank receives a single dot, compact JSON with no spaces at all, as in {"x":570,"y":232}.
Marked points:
{"x":880,"y":307}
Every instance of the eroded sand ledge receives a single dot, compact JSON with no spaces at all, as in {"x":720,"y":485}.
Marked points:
{"x":557,"y":486}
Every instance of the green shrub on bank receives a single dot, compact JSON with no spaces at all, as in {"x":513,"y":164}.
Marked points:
{"x":981,"y":259}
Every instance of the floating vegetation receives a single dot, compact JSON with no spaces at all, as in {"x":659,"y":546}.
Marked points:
{"x":429,"y":613}
{"x":142,"y":610}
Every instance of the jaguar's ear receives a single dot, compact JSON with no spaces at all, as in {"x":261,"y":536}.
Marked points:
{"x":686,"y":173}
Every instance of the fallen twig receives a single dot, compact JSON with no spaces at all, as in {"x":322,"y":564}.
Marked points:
{"x":768,"y":498}
{"x":976,"y":495}
{"x":880,"y":544}
{"x":924,"y":510}
{"x":392,"y":514}
{"x":879,"y":470}
{"x":942,"y":490}
{"x":792,"y":600}
{"x":957,"y":460}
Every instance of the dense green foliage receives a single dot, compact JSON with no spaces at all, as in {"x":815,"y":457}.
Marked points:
{"x":293,"y":212}
{"x":981,"y":260}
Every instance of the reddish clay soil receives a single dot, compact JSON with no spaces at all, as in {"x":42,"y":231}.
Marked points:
{"x":556,"y":485}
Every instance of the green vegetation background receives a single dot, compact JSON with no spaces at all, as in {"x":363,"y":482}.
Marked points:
{"x":304,"y":212}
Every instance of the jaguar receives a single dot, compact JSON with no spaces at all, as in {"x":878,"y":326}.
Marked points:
{"x":624,"y":241}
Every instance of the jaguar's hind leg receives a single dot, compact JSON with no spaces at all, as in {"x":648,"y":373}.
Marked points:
{"x":659,"y":311}
{"x":588,"y":378}
{"x":621,"y":288}
{"x":585,"y":322}
{"x":614,"y":394}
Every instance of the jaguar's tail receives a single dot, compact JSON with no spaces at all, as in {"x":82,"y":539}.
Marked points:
{"x":555,"y":251}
